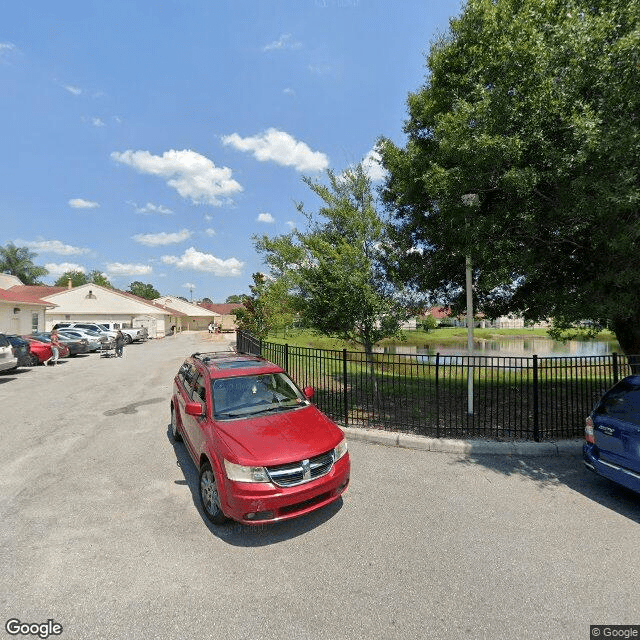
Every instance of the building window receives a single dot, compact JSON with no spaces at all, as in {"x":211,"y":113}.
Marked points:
{"x":35,"y":318}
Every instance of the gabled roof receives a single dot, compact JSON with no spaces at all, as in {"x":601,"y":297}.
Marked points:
{"x":187,"y":308}
{"x":223,"y":309}
{"x":17,"y":295}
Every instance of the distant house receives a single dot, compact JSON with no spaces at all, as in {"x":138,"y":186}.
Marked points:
{"x":225,"y":314}
{"x":194,"y":316}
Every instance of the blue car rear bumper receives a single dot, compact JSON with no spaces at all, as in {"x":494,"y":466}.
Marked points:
{"x":617,"y":473}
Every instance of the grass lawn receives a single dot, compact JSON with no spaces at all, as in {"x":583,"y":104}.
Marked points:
{"x":306,"y":338}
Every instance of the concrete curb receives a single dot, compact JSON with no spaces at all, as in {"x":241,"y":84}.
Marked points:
{"x":465,"y":447}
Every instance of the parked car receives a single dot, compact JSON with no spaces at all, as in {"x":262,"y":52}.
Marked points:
{"x":41,"y":350}
{"x":63,"y":352}
{"x":74,"y":345}
{"x":8,"y":361}
{"x":94,"y":341}
{"x":612,"y":434}
{"x":263,"y":450}
{"x":130,"y":333}
{"x":22,"y":351}
{"x":90,"y":326}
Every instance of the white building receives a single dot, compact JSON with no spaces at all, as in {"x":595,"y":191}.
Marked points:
{"x":22,"y":310}
{"x":93,"y":303}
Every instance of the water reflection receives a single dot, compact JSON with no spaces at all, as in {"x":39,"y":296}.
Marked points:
{"x":506,"y":347}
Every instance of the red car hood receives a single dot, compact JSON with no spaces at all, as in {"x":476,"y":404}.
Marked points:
{"x":279,"y":438}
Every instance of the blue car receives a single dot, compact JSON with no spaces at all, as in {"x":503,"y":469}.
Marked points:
{"x":612,"y":434}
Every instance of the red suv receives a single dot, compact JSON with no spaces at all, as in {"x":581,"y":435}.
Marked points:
{"x":264,"y":451}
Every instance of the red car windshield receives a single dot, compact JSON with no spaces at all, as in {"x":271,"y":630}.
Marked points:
{"x":244,"y":396}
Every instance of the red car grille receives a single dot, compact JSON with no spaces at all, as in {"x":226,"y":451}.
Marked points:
{"x":289,"y":475}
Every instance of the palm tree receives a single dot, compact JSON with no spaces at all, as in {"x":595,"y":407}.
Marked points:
{"x":18,"y":261}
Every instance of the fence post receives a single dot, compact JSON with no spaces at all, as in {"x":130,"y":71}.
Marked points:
{"x":536,"y":417}
{"x":286,"y":356}
{"x":344,"y":387}
{"x":616,"y":372}
{"x":260,"y":347}
{"x":437,"y":395}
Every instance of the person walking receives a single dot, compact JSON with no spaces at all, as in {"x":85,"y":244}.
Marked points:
{"x":55,"y":348}
{"x":119,"y":343}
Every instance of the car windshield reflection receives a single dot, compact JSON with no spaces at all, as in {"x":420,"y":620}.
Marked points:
{"x":243,"y":396}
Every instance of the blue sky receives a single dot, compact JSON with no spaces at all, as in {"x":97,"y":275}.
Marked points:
{"x":151,"y":140}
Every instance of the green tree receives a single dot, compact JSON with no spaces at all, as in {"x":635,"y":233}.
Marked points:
{"x":99,"y":278}
{"x":235,"y":299}
{"x":255,"y":317}
{"x":18,"y":261}
{"x":77,"y":278}
{"x":522,"y":154}
{"x":142,"y":290}
{"x":334,"y":267}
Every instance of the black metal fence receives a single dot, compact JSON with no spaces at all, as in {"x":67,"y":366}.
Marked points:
{"x":512,"y":398}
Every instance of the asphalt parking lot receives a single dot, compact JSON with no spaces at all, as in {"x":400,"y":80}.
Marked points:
{"x":100,"y":530}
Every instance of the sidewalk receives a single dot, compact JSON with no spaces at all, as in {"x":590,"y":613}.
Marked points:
{"x":465,"y":447}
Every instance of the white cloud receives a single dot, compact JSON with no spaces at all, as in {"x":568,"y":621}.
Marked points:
{"x":63,"y":267}
{"x":285,"y":41}
{"x":97,"y":122}
{"x":372,"y":166}
{"x":210,"y":232}
{"x":76,"y":91}
{"x":280,"y":147}
{"x":192,"y":259}
{"x":291,"y":224}
{"x":151,"y":208}
{"x":319,"y":69}
{"x":192,"y":175}
{"x":289,"y":91}
{"x":265,"y":217}
{"x":189,"y":285}
{"x":157,"y":239}
{"x":81,"y":203}
{"x":54,"y":246}
{"x":119,"y":269}
{"x":6,"y":49}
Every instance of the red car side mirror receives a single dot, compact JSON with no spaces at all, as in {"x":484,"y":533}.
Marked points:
{"x":308,"y":392}
{"x":193,"y":408}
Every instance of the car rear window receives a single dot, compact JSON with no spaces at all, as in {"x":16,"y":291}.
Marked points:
{"x":622,"y":403}
{"x":4,"y":342}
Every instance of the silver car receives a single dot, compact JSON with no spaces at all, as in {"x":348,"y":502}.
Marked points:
{"x":8,"y":360}
{"x":97,"y":341}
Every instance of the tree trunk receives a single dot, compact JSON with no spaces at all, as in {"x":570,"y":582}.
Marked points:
{"x":371,"y":366}
{"x":627,"y":332}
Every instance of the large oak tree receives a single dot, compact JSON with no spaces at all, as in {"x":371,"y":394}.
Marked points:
{"x":523,"y":153}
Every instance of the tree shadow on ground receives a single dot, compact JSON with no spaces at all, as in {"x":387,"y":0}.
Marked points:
{"x":567,"y":470}
{"x":240,"y":535}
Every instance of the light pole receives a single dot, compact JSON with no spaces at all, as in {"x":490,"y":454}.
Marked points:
{"x":469,"y":287}
{"x":470,"y":200}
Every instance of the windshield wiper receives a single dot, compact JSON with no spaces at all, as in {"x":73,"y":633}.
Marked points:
{"x":274,"y":407}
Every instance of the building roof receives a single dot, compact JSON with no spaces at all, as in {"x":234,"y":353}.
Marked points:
{"x":223,"y":309}
{"x":187,"y":308}
{"x":25,"y":294}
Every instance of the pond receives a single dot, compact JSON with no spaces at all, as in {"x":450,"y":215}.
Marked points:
{"x":511,"y":347}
